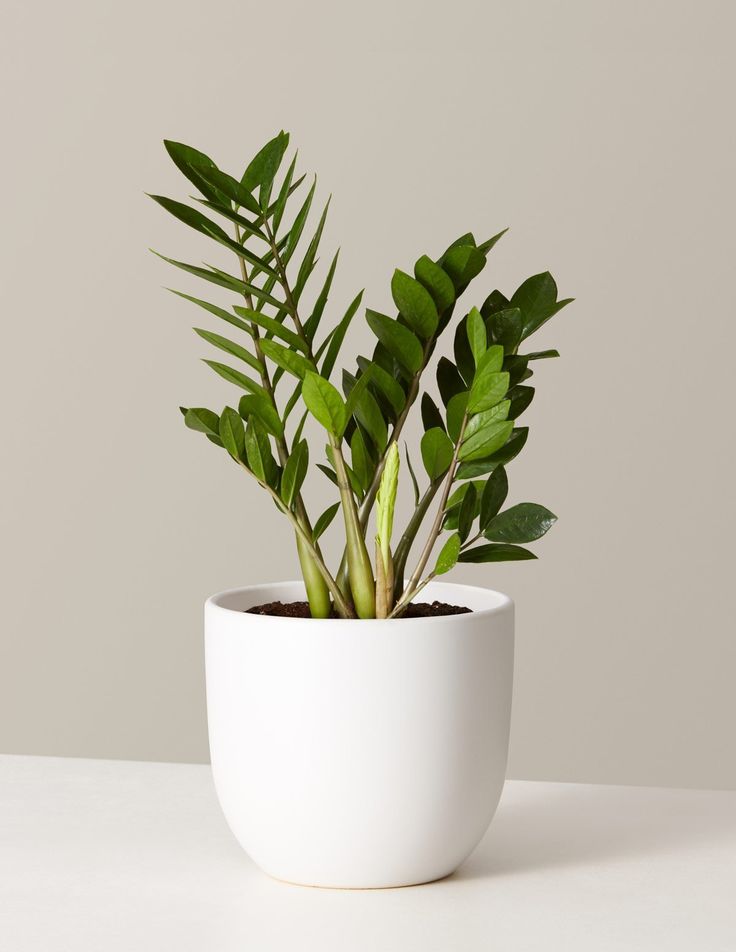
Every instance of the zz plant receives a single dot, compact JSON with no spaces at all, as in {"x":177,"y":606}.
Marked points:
{"x":284,"y":361}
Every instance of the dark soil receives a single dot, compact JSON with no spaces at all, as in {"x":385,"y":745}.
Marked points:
{"x":301,"y":610}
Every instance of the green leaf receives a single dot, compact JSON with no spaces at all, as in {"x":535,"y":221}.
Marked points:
{"x":431,"y":415}
{"x":476,"y":331}
{"x":415,"y":303}
{"x":324,"y":520}
{"x":492,"y":360}
{"x":449,"y":381}
{"x":467,"y":512}
{"x":500,"y":458}
{"x":324,"y":403}
{"x":264,"y":409}
{"x":312,"y":322}
{"x":485,"y":418}
{"x":537,"y":299}
{"x":517,"y":367}
{"x":436,"y":281}
{"x":496,"y":553}
{"x":412,"y":474}
{"x":187,"y":160}
{"x":462,"y":263}
{"x":232,"y":433}
{"x":258,"y":452}
{"x":542,"y":354}
{"x":265,"y":164}
{"x":297,"y":226}
{"x":230,"y":347}
{"x":295,"y":470}
{"x":524,"y":522}
{"x":360,"y":461}
{"x":190,"y":216}
{"x":384,"y":384}
{"x":310,"y":257}
{"x":493,"y":496}
{"x":506,"y":328}
{"x":464,"y":360}
{"x":398,"y":340}
{"x":202,"y":420}
{"x":368,"y":413}
{"x":338,"y":336}
{"x":236,"y":377}
{"x":279,"y":206}
{"x":230,"y":187}
{"x":245,"y":224}
{"x":486,"y":441}
{"x":208,"y":274}
{"x":329,"y":473}
{"x":489,"y":387}
{"x":273,"y":327}
{"x":454,"y":503}
{"x":485,"y":246}
{"x":496,"y":301}
{"x":296,"y":364}
{"x":448,"y":555}
{"x":437,"y":451}
{"x":456,"y":410}
{"x":521,"y":397}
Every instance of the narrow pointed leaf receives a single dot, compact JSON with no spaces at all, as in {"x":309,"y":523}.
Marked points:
{"x":431,"y":415}
{"x":415,"y":303}
{"x":272,"y":326}
{"x":236,"y":377}
{"x":230,"y":347}
{"x":295,"y":470}
{"x":506,"y":328}
{"x":485,"y":246}
{"x":324,"y":520}
{"x":449,"y":380}
{"x":493,"y":496}
{"x":339,"y":336}
{"x":289,"y":360}
{"x":467,"y":513}
{"x":520,"y":397}
{"x":232,"y":433}
{"x":448,"y":556}
{"x":476,"y":331}
{"x":217,"y":311}
{"x":496,"y":553}
{"x":324,"y":403}
{"x":412,"y":474}
{"x":437,"y":451}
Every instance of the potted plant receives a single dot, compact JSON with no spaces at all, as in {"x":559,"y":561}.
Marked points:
{"x":359,"y":737}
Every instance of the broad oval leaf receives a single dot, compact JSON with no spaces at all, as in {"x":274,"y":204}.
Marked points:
{"x":437,"y":452}
{"x":448,"y":555}
{"x":264,"y":409}
{"x":456,"y":410}
{"x":462,"y":263}
{"x":486,"y":441}
{"x":496,"y":552}
{"x":416,"y":304}
{"x":485,"y":418}
{"x":489,"y":388}
{"x":324,"y":403}
{"x":398,"y":340}
{"x":258,"y":453}
{"x":436,"y":281}
{"x":524,"y":522}
{"x":265,"y":164}
{"x":506,"y":327}
{"x":385,"y":384}
{"x":449,"y":380}
{"x":500,"y":458}
{"x":202,"y":420}
{"x":360,"y":460}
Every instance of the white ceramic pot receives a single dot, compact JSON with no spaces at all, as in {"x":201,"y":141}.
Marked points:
{"x":359,"y":754}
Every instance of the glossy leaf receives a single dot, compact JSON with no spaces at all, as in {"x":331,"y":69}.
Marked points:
{"x":187,"y":159}
{"x":324,"y":520}
{"x":324,"y":403}
{"x":489,"y":388}
{"x":384,"y":383}
{"x":463,"y":263}
{"x":542,"y":354}
{"x":265,"y":164}
{"x":400,"y":342}
{"x":524,"y":522}
{"x":415,"y":303}
{"x":496,"y":301}
{"x":437,"y":451}
{"x":486,"y":441}
{"x":502,"y":457}
{"x":484,"y":419}
{"x":448,"y":556}
{"x":360,"y":460}
{"x":506,"y":328}
{"x":274,"y":327}
{"x":466,"y":515}
{"x":537,"y":299}
{"x":493,"y":496}
{"x":258,"y":453}
{"x":464,"y":360}
{"x":312,"y":322}
{"x":485,"y":246}
{"x":431,"y":415}
{"x":229,"y":187}
{"x":449,"y":380}
{"x":520,"y":397}
{"x":496,"y":553}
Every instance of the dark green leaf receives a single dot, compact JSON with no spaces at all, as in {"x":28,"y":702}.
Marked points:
{"x":295,"y":470}
{"x":191,"y":217}
{"x":431,"y":415}
{"x":517,"y":367}
{"x":449,"y":380}
{"x":265,"y":164}
{"x":520,"y":397}
{"x":187,"y":160}
{"x":485,"y":246}
{"x":360,"y":460}
{"x":279,"y":206}
{"x":329,"y":473}
{"x":369,"y":415}
{"x":524,"y":522}
{"x":398,"y":340}
{"x":324,"y":403}
{"x":312,"y":322}
{"x":324,"y":520}
{"x":462,"y":263}
{"x":437,"y":450}
{"x":297,"y":227}
{"x":412,"y":474}
{"x":542,"y":354}
{"x":229,"y":187}
{"x":415,"y":303}
{"x":537,"y":299}
{"x":384,"y":384}
{"x":436,"y":281}
{"x":496,"y":301}
{"x":467,"y":512}
{"x":232,"y":433}
{"x":500,"y":458}
{"x":463,"y":354}
{"x":506,"y":328}
{"x":494,"y":495}
{"x":217,"y":311}
{"x":448,"y":555}
{"x":496,"y":553}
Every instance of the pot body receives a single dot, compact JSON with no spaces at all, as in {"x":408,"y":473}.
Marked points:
{"x":359,"y":754}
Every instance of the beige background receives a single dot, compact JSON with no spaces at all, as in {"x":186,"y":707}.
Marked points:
{"x":601,"y":132}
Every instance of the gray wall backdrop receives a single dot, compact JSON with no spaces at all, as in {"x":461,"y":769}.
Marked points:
{"x":601,"y":132}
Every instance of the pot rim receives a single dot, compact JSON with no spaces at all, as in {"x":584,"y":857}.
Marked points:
{"x":502,"y":603}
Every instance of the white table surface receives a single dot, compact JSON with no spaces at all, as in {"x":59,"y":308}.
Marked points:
{"x":108,"y":856}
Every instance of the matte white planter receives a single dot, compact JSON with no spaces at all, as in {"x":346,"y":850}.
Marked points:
{"x":359,"y":754}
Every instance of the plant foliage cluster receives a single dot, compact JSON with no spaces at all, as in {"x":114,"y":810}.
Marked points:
{"x":282,"y":361}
